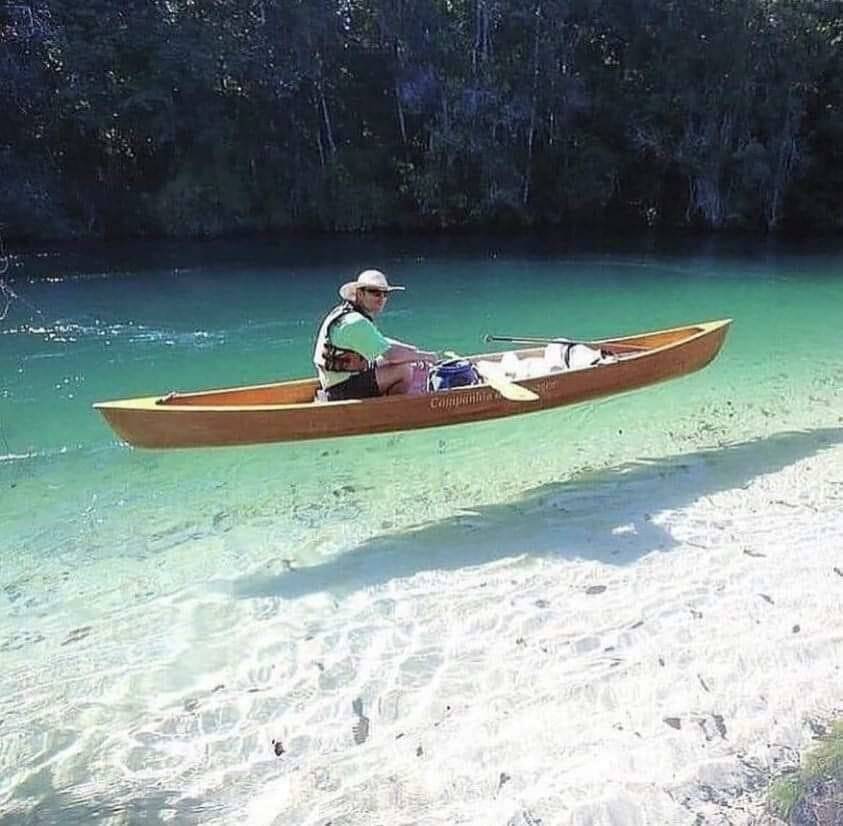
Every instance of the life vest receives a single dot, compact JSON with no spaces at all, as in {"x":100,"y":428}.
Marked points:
{"x":336,"y":359}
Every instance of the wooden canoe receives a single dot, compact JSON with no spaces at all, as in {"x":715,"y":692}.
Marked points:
{"x":286,"y":411}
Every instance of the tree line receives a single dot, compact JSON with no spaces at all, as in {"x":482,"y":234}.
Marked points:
{"x":213,"y":117}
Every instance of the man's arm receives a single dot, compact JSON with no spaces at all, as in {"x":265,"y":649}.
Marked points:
{"x":400,"y":353}
{"x":354,"y":332}
{"x":357,"y":333}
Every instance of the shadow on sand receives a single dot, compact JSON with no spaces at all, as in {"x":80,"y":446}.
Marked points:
{"x":603,"y":516}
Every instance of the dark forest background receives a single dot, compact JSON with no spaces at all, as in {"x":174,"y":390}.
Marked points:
{"x":213,"y":117}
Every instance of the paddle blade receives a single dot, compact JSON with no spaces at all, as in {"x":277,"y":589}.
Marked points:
{"x":508,"y":389}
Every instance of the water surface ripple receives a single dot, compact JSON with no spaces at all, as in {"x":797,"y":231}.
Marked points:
{"x":580,"y":616}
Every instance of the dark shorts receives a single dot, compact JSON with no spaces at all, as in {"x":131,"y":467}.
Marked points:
{"x":360,"y":386}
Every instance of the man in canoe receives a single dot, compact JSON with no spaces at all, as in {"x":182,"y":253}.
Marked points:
{"x":353,"y":358}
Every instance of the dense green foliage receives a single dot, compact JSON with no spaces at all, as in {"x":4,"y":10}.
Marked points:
{"x":204,"y":117}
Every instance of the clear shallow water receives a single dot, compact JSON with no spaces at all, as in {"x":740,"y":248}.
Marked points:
{"x":164,"y":616}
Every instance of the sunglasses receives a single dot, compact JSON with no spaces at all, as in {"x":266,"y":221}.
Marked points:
{"x":381,"y":293}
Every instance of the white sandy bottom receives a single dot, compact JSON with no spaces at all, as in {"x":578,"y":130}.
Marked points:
{"x":627,"y":666}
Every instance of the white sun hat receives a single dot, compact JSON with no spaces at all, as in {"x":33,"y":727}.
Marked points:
{"x":371,"y":279}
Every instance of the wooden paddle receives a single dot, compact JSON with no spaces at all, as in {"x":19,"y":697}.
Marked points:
{"x":619,"y":346}
{"x":508,"y":389}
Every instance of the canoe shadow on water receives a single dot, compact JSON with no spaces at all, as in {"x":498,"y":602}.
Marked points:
{"x":604,"y":516}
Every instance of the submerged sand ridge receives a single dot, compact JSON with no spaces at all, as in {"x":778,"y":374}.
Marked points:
{"x":642,"y":644}
{"x":572,"y":689}
{"x":652,"y":693}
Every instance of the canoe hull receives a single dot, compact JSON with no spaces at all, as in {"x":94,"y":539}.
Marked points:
{"x":243,"y":416}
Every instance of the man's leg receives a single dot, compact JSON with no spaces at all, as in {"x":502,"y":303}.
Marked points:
{"x":393,"y":379}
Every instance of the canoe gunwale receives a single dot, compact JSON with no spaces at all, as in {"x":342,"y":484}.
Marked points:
{"x":165,"y":404}
{"x":156,"y":422}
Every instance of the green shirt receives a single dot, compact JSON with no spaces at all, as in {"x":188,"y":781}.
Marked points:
{"x":354,"y":332}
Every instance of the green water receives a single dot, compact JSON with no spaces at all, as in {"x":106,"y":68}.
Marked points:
{"x":103,"y":546}
{"x":75,"y":497}
{"x":92,"y":335}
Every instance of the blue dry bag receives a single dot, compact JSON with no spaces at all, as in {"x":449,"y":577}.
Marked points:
{"x":454,"y":373}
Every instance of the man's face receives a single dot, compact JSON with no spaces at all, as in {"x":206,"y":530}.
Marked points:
{"x":372,"y":300}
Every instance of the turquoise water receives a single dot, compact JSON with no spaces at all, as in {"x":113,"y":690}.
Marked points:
{"x":133,"y":584}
